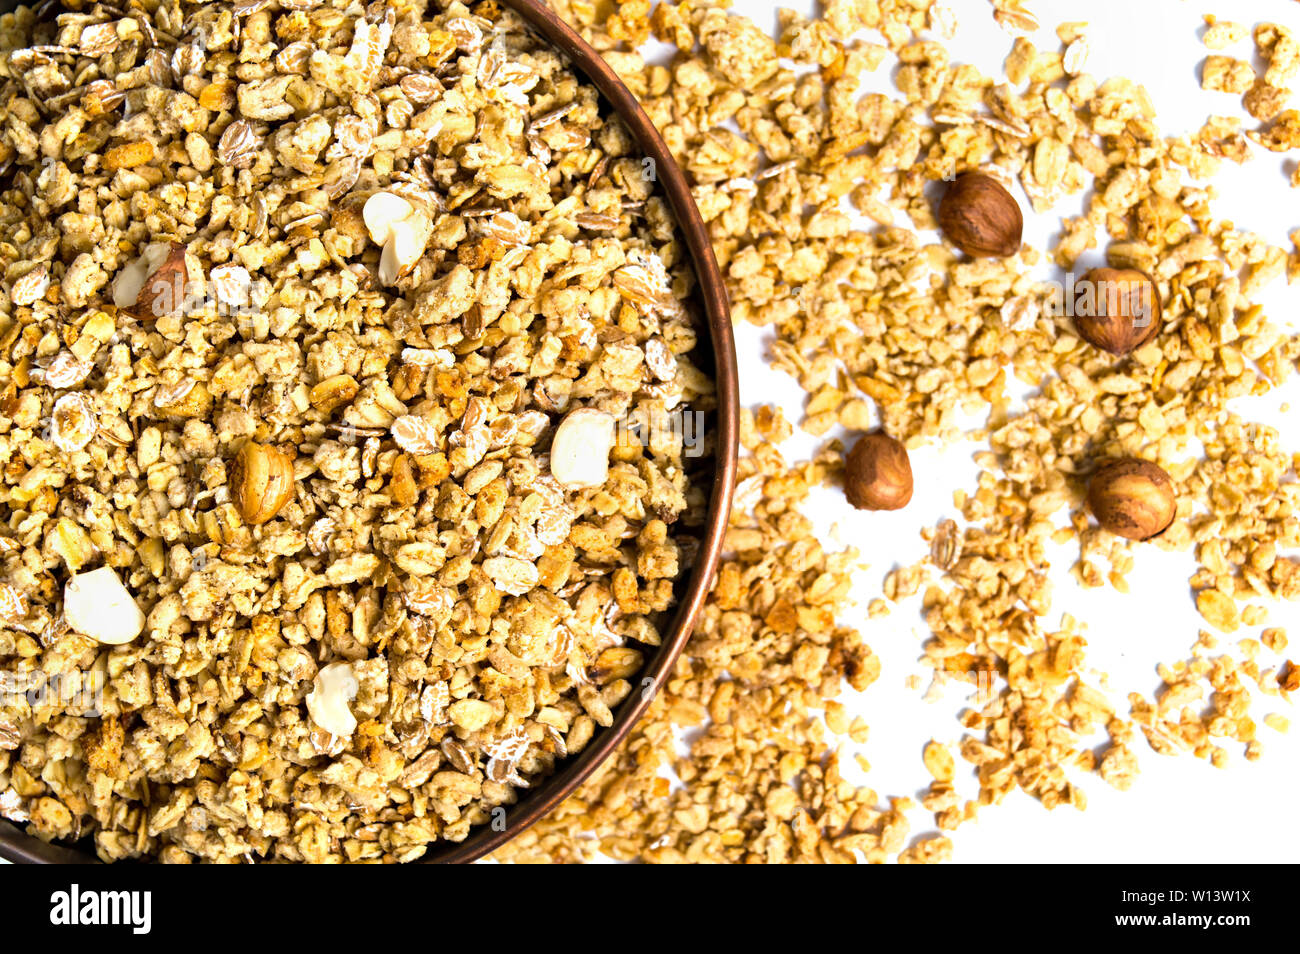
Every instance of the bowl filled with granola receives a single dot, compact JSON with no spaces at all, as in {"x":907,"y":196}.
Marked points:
{"x":367,"y":422}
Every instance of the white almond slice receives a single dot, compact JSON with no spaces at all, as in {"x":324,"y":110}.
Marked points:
{"x":130,"y":280}
{"x":129,"y":283}
{"x":334,"y":687}
{"x":96,"y":604}
{"x":388,"y":268}
{"x":403,"y":249}
{"x":381,"y":212}
{"x":580,"y":449}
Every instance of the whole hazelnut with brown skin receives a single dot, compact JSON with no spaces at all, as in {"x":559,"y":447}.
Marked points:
{"x":1116,"y":309}
{"x":878,"y":474}
{"x":261,"y":481}
{"x":1132,"y":498}
{"x":980,"y":217}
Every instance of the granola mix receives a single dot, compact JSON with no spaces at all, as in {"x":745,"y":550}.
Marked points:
{"x":318,"y":328}
{"x":742,"y":755}
{"x":885,"y":326}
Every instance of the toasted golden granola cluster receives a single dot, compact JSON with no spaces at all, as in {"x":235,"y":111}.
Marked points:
{"x":341,"y":352}
{"x":885,"y":326}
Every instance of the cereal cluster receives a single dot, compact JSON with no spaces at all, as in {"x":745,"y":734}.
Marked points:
{"x":321,"y":329}
{"x":885,"y":327}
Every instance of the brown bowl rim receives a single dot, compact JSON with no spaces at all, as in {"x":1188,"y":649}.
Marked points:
{"x":16,"y":845}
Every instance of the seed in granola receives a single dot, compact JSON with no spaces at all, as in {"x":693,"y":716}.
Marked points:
{"x":420,"y":88}
{"x":596,"y":222}
{"x":1014,"y":18}
{"x":96,"y":604}
{"x":511,"y":575}
{"x":402,"y":486}
{"x":1116,"y":309}
{"x":340,"y":176}
{"x":1076,"y":56}
{"x":352,"y":137}
{"x":72,"y":543}
{"x":878,"y":473}
{"x":660,"y":359}
{"x":643,"y":280}
{"x":1132,"y":498}
{"x":187,"y":399}
{"x":981,"y":217}
{"x":333,"y":392}
{"x":100,"y":96}
{"x":217,"y":96}
{"x":580,"y":448}
{"x":154,"y":284}
{"x":938,"y":761}
{"x":98,"y":39}
{"x":946,"y":547}
{"x":334,"y":687}
{"x":261,"y":481}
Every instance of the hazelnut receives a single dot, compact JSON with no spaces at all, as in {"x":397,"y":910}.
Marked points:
{"x":1116,"y":309}
{"x":261,"y":481}
{"x":981,"y":217}
{"x":154,"y":284}
{"x":1132,"y":498}
{"x":877,"y":473}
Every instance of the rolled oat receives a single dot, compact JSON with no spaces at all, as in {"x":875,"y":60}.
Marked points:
{"x":294,"y":297}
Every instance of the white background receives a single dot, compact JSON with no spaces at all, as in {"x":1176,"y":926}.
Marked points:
{"x":1180,"y":809}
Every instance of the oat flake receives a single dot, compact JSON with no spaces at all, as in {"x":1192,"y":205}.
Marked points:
{"x":72,"y":422}
{"x":65,"y":371}
{"x":415,"y":434}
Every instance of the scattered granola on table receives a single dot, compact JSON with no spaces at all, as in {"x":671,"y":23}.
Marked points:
{"x":1266,"y":96}
{"x":883,"y":327}
{"x":293,"y":300}
{"x":761,"y":781}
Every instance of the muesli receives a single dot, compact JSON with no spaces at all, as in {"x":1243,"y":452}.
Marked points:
{"x":887,"y":328}
{"x":340,"y":355}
